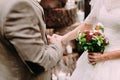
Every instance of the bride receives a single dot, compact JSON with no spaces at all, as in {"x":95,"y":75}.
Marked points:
{"x":107,"y":65}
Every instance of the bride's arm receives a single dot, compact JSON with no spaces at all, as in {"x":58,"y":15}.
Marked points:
{"x":91,"y":19}
{"x":98,"y":57}
{"x":86,"y":25}
{"x":111,"y":55}
{"x":74,"y":33}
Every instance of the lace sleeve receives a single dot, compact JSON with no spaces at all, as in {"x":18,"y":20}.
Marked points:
{"x":92,"y":17}
{"x":92,"y":2}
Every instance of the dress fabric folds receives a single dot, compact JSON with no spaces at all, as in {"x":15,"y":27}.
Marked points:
{"x":108,"y":13}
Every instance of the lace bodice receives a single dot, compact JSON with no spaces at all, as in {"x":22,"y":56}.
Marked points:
{"x":108,"y":13}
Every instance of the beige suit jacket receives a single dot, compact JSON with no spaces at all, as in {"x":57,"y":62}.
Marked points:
{"x":22,"y":25}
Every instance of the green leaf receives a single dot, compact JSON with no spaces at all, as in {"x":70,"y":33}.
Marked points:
{"x":82,"y":35}
{"x":89,"y":43}
{"x":83,"y":40}
{"x":85,"y":48}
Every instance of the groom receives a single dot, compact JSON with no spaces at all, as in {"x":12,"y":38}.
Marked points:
{"x":24,"y":50}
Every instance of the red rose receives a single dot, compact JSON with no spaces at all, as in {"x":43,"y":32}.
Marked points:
{"x":106,"y":41}
{"x":97,"y":33}
{"x":88,"y":37}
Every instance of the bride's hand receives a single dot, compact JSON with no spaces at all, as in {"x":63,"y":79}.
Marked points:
{"x":95,"y":57}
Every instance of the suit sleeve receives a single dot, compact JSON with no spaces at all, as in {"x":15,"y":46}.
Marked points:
{"x":22,"y":30}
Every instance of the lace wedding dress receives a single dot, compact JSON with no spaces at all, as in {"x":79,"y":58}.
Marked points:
{"x":108,"y":13}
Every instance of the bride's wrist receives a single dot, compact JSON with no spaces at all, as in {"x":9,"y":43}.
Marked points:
{"x":105,"y":57}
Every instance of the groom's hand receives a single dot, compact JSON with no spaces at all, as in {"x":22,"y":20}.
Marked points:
{"x":56,"y":38}
{"x":59,"y":37}
{"x":52,"y":39}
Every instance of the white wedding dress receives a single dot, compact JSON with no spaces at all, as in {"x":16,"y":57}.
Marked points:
{"x":108,"y":13}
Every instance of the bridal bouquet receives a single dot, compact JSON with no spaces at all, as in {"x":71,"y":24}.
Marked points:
{"x":93,"y":41}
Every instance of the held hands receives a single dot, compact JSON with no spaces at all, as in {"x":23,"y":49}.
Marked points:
{"x":54,"y":38}
{"x":94,"y":57}
{"x":57,"y":36}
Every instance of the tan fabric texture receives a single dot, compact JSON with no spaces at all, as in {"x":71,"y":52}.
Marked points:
{"x":22,"y":24}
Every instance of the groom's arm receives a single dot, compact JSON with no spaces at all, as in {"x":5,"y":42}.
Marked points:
{"x":22,"y":30}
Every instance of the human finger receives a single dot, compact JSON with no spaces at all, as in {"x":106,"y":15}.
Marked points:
{"x":55,"y":35}
{"x":49,"y":37}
